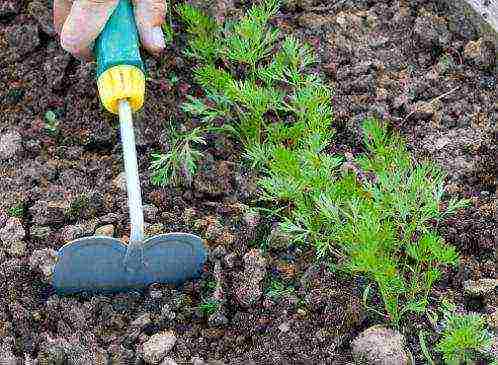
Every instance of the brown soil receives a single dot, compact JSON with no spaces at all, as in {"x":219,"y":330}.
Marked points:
{"x":383,"y":58}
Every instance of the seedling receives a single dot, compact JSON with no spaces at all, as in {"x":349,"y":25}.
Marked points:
{"x":77,"y":206}
{"x":51,"y":123}
{"x":17,"y":211}
{"x":209,"y":306}
{"x":277,"y":289}
{"x":179,"y":164}
{"x":374,"y":213}
{"x":464,"y":338}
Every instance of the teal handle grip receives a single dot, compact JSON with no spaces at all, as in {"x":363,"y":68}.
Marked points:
{"x":118,"y":44}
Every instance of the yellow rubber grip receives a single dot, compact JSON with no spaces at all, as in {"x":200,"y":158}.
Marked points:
{"x":122,"y":82}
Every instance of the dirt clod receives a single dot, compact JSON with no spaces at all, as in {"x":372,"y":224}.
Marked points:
{"x":23,"y":39}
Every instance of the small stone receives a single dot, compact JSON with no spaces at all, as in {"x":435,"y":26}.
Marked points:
{"x":249,"y":289}
{"x":72,"y":232}
{"x":109,"y":218}
{"x":17,"y":248}
{"x":10,"y":145}
{"x":7,"y":357}
{"x":141,"y":322}
{"x":169,"y":361}
{"x":218,"y":318}
{"x":198,"y":361}
{"x":480,"y":52}
{"x":3,"y":217}
{"x":43,"y":261}
{"x":119,"y":181}
{"x":218,"y":253}
{"x":481,"y":287}
{"x":229,"y":260}
{"x":167,"y":313}
{"x":40,"y":232}
{"x":150,"y":212}
{"x":107,"y":230}
{"x":12,"y":231}
{"x":153,"y":229}
{"x":424,"y":110}
{"x":284,"y":327}
{"x":157,"y":347}
{"x":380,"y":346}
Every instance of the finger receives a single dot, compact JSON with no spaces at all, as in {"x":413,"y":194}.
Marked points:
{"x":61,"y":11}
{"x":86,"y":20}
{"x":149,"y":15}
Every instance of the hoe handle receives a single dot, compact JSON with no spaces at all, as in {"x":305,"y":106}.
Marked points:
{"x":120,"y":70}
{"x":121,"y":83}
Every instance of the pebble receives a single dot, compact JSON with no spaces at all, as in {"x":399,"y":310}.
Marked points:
{"x":119,"y":181}
{"x":158,"y":346}
{"x":7,"y":357}
{"x":218,"y":253}
{"x":71,"y":232}
{"x":151,"y":230}
{"x":43,"y":261}
{"x":481,"y":53}
{"x":107,"y":230}
{"x":249,"y":289}
{"x":17,"y":248}
{"x":424,"y":110}
{"x":141,"y":322}
{"x":150,"y":212}
{"x":3,"y":217}
{"x":284,"y":327}
{"x":169,"y":361}
{"x":218,"y":318}
{"x":229,"y":260}
{"x":12,"y":231}
{"x":379,"y":345}
{"x":481,"y":287}
{"x":10,"y":145}
{"x":40,"y":232}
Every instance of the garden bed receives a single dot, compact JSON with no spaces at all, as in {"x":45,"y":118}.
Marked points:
{"x":414,"y":64}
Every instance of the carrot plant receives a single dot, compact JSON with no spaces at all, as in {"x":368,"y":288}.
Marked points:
{"x":375,"y":212}
{"x":465,"y":338}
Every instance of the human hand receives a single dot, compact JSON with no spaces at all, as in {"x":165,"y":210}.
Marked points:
{"x":79,"y":23}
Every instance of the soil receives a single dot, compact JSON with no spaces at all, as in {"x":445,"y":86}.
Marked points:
{"x":413,"y":63}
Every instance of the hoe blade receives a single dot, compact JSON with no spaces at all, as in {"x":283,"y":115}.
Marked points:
{"x":96,"y":264}
{"x":173,"y":258}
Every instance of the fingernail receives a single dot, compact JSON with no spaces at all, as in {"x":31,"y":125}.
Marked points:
{"x":158,"y":38}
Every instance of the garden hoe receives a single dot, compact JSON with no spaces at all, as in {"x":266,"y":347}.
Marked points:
{"x":101,"y":264}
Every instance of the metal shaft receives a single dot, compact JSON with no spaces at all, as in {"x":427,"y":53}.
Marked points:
{"x":134,"y":255}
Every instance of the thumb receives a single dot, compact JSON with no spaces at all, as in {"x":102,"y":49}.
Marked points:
{"x":149,"y":15}
{"x":83,"y":25}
